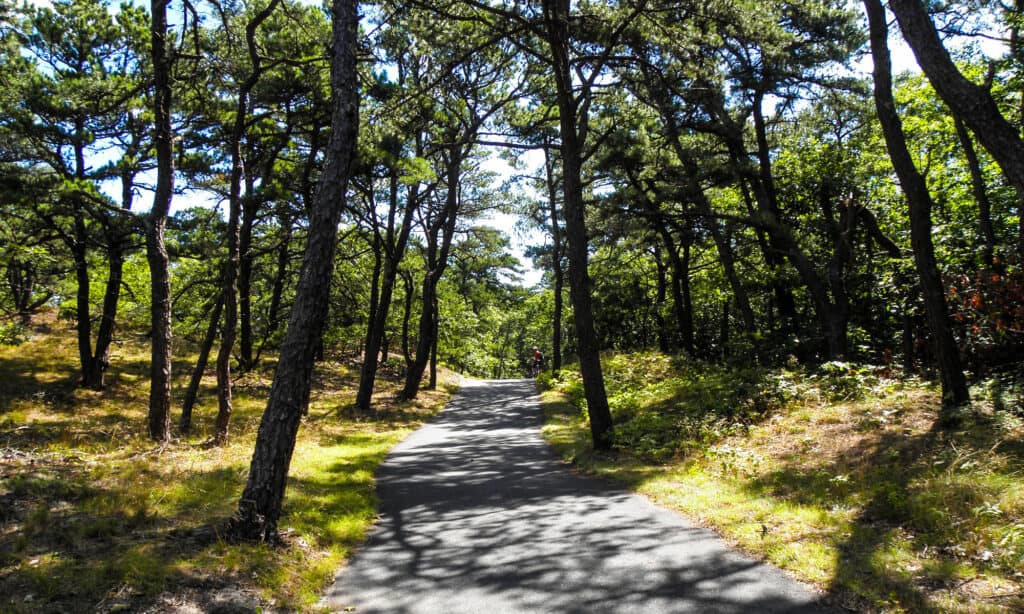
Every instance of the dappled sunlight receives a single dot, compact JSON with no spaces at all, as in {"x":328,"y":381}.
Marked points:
{"x":95,"y":516}
{"x":476,"y":509}
{"x":847,"y":482}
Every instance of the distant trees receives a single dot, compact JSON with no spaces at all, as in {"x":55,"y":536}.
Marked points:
{"x":71,"y":98}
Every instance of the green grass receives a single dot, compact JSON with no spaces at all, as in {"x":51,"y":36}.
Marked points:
{"x":94,"y":516}
{"x":840,"y":476}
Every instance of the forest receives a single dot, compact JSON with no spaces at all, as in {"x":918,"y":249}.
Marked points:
{"x":238,"y":235}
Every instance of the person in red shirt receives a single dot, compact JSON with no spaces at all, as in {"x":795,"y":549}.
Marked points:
{"x":538,"y":362}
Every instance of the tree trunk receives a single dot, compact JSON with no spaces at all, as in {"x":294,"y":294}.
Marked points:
{"x":970,"y":102}
{"x":724,"y":246}
{"x":394,"y":251}
{"x":680,"y":279}
{"x":246,"y":344}
{"x":117,"y":237}
{"x":432,"y":380}
{"x":664,"y":345}
{"x":556,"y":16}
{"x":988,"y":235}
{"x":231,"y":274}
{"x":159,"y":418}
{"x":105,"y":335}
{"x":687,"y":296}
{"x":280,"y":276}
{"x":185,"y":425}
{"x":437,"y":261}
{"x":260,"y":506}
{"x":410,"y":289}
{"x":841,"y":233}
{"x":92,"y":375}
{"x":556,"y":265}
{"x":954,"y":384}
{"x":723,"y":333}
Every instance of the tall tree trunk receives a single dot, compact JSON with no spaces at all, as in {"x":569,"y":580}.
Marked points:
{"x":410,"y":289}
{"x":432,"y":380}
{"x":970,"y":102}
{"x":842,"y":252}
{"x":260,"y":506}
{"x":231,"y":273}
{"x":988,"y":235}
{"x":680,"y":278}
{"x":117,"y":236}
{"x":664,"y":345}
{"x":246,"y":344}
{"x":687,"y":297}
{"x":185,"y":424}
{"x":556,"y":264}
{"x":105,"y":334}
{"x":954,"y":384}
{"x":83,"y":317}
{"x":92,"y":367}
{"x":723,"y":334}
{"x":394,"y":251}
{"x":159,"y":418}
{"x":437,"y":262}
{"x":556,"y":17}
{"x":280,"y":276}
{"x":722,"y":244}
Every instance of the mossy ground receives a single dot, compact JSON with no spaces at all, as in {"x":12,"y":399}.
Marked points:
{"x":841,"y":476}
{"x":95,"y":517}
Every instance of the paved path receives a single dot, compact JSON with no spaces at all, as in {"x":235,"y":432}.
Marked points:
{"x":480,"y":517}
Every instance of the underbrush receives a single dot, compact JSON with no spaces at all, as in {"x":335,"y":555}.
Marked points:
{"x":839,"y":474}
{"x":95,"y":517}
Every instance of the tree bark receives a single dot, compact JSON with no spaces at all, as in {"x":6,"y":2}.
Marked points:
{"x":664,"y":345}
{"x":260,"y":506}
{"x":246,"y":338}
{"x":556,"y":264}
{"x":954,"y":384}
{"x":231,"y":273}
{"x":159,"y":418}
{"x":970,"y":102}
{"x":988,"y":235}
{"x":185,"y":424}
{"x":556,"y":17}
{"x":410,"y":288}
{"x":437,"y":262}
{"x":394,"y":246}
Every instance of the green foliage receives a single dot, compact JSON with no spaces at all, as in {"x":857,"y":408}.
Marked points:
{"x":848,"y":484}
{"x":670,"y":407}
{"x":13,"y":333}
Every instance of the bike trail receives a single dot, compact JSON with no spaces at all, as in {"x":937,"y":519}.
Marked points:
{"x":479,"y":516}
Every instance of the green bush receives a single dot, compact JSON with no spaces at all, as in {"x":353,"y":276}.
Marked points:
{"x":13,"y":333}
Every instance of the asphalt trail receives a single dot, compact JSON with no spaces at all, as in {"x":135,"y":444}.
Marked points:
{"x":480,"y":517}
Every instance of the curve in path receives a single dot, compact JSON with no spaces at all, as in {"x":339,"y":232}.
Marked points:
{"x":478,"y":516}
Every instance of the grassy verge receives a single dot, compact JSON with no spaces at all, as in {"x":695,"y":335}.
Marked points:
{"x":94,"y":517}
{"x":840,"y":477}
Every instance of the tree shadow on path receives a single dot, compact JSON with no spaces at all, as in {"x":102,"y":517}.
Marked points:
{"x":478,"y":515}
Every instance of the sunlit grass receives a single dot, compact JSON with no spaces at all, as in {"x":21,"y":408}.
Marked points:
{"x":94,"y":516}
{"x":844,"y":479}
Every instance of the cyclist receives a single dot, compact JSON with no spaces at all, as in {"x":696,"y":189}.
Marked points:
{"x":537,"y":363}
